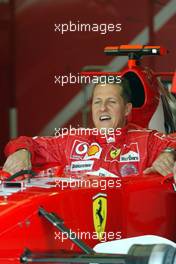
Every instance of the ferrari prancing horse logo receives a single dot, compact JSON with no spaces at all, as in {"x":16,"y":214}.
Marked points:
{"x":114,"y":153}
{"x":100,"y":213}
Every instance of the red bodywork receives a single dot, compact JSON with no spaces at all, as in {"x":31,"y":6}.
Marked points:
{"x":145,"y":86}
{"x":173,"y":89}
{"x":151,"y":95}
{"x":142,"y":205}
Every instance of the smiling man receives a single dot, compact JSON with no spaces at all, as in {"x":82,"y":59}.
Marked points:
{"x":127,"y":151}
{"x":111,"y":105}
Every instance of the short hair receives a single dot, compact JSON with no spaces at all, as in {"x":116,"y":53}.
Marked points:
{"x":123,"y":83}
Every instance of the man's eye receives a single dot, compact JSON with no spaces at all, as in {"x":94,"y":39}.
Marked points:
{"x":96,"y":102}
{"x":112,"y":101}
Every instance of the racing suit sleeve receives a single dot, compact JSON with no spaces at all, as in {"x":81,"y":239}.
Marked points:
{"x":157,"y":142}
{"x":44,"y":150}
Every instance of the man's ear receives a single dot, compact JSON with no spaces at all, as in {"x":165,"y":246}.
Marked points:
{"x":128,"y":109}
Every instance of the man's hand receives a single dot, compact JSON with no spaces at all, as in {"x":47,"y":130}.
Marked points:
{"x":19,"y":160}
{"x":163,"y":165}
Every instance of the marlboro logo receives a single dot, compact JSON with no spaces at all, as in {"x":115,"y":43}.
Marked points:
{"x":130,"y":153}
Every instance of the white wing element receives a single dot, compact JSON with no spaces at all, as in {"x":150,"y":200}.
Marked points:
{"x":122,"y":246}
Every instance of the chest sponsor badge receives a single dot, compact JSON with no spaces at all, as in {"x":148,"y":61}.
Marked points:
{"x":79,"y":149}
{"x":82,"y":165}
{"x":113,"y":154}
{"x":128,"y":169}
{"x":93,"y":152}
{"x":83,"y":151}
{"x":130,"y":153}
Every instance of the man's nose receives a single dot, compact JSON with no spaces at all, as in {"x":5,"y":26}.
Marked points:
{"x":103,"y":106}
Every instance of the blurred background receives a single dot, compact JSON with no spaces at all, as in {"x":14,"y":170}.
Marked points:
{"x":32,"y":53}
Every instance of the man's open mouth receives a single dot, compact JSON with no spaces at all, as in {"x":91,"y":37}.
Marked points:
{"x":104,"y":118}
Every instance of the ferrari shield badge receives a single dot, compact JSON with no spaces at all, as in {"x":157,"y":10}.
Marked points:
{"x":100,"y":214}
{"x":115,"y":153}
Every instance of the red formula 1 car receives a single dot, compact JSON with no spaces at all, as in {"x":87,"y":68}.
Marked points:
{"x":52,"y":220}
{"x":61,"y":219}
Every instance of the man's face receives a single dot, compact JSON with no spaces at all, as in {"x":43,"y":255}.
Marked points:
{"x":108,"y":107}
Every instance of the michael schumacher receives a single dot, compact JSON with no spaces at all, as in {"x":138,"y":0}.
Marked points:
{"x":114,"y":148}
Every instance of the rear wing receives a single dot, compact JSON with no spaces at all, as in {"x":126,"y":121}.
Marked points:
{"x":135,"y":51}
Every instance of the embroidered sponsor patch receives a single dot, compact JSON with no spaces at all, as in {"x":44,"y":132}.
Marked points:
{"x":82,"y":165}
{"x":93,"y":152}
{"x":79,"y":149}
{"x":128,"y":169}
{"x":113,"y":154}
{"x":110,"y":138}
{"x":83,"y":151}
{"x":130,"y":153}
